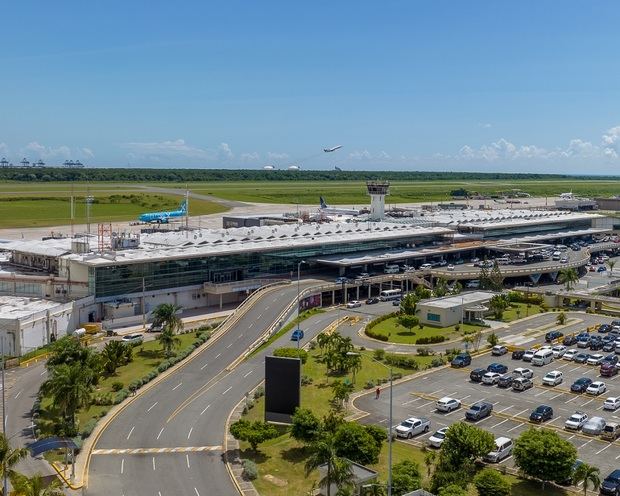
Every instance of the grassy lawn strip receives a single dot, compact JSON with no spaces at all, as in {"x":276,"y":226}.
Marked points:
{"x":519,"y":311}
{"x":306,"y":314}
{"x":399,"y":334}
{"x":146,"y":358}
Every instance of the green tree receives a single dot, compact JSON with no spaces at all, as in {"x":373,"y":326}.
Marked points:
{"x":441,"y":287}
{"x":544,"y":455}
{"x":496,"y":278}
{"x":422,"y":292}
{"x":341,"y":392}
{"x":406,"y":477}
{"x":484,"y":277}
{"x":35,"y":486}
{"x":70,"y":387}
{"x":452,"y":490}
{"x":408,"y":321}
{"x":490,"y":482}
{"x":492,"y":339}
{"x":306,"y":426}
{"x":561,"y":318}
{"x":430,"y":457}
{"x":255,"y":432}
{"x":612,"y":264}
{"x":354,"y":442}
{"x":498,"y":304}
{"x":589,"y":476}
{"x":115,"y":354}
{"x":457,"y":288}
{"x":168,"y":340}
{"x":409,"y":304}
{"x":167,"y":315}
{"x":323,"y":452}
{"x":9,"y":458}
{"x":322,"y":340}
{"x":568,"y":277}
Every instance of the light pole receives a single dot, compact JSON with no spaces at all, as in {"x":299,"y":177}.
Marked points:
{"x":298,"y":302}
{"x":5,"y":483}
{"x":389,"y":483}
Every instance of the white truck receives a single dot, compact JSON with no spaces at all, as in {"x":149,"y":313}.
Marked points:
{"x":412,"y":427}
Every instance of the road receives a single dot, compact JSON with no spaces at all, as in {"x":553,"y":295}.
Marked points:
{"x":178,"y":425}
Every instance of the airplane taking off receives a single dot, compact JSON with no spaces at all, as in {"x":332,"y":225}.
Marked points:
{"x":333,"y":149}
{"x":326,"y":209}
{"x":164,"y":217}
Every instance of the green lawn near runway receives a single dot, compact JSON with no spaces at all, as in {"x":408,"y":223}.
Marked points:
{"x":396,"y":333}
{"x":519,"y":311}
{"x":38,"y":211}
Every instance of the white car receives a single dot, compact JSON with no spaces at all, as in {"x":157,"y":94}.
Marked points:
{"x":447,"y":404}
{"x":570,"y":355}
{"x":612,"y":403}
{"x":523,"y":372}
{"x":558,"y":351}
{"x":528,"y":355}
{"x":553,"y":378}
{"x":133,"y":339}
{"x":491,"y":378}
{"x":596,"y":388}
{"x":595,"y":359}
{"x":576,"y":421}
{"x":354,"y":304}
{"x":450,"y":267}
{"x":436,"y":440}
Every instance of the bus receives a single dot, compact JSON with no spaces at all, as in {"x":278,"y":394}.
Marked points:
{"x":390,"y":294}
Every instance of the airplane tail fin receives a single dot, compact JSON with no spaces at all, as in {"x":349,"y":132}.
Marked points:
{"x":323,"y":204}
{"x":184,"y":206}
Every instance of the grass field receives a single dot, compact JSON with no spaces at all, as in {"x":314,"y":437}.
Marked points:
{"x":399,"y":334}
{"x":39,"y":210}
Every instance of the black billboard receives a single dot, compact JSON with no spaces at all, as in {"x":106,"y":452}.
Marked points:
{"x":282,"y":388}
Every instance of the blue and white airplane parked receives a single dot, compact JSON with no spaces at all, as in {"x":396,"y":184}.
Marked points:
{"x":164,"y":217}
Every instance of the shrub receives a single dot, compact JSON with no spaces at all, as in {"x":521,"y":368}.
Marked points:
{"x":401,"y":361}
{"x":134,"y":385}
{"x":379,"y":354}
{"x":260,"y":391}
{"x":306,"y":380}
{"x":250,"y":470}
{"x":291,"y":353}
{"x":437,"y":362}
{"x":424,"y":352}
{"x":378,"y":320}
{"x":375,"y":335}
{"x":88,"y":428}
{"x":369,"y":384}
{"x":117,"y":386}
{"x":430,"y":340}
{"x":120,"y":396}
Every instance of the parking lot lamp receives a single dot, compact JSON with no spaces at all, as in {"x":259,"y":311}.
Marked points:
{"x":298,"y":294}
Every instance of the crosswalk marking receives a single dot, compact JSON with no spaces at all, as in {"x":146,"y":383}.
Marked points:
{"x":146,"y":451}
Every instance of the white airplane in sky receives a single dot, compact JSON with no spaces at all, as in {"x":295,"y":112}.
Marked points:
{"x":333,"y":149}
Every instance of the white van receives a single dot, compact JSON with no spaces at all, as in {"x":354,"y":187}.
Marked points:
{"x":473,"y":284}
{"x":391,"y":269}
{"x":503,"y":449}
{"x":426,"y":266}
{"x":503,"y":260}
{"x":542,"y":357}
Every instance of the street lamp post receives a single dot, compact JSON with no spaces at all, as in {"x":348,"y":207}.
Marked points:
{"x":5,"y":483}
{"x":390,"y":423}
{"x":298,"y":302}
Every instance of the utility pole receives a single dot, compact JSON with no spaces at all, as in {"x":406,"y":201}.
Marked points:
{"x":143,"y":306}
{"x":5,"y":482}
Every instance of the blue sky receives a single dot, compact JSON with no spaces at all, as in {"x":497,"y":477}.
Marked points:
{"x":414,"y":85}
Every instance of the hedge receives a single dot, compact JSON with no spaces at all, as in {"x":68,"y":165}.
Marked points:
{"x":291,"y":353}
{"x":430,"y":340}
{"x":401,"y":361}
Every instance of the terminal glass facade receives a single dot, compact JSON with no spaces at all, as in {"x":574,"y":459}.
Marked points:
{"x":173,"y":273}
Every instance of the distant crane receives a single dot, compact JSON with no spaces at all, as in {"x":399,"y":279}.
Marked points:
{"x":38,"y":163}
{"x":4,"y":162}
{"x":25,"y":162}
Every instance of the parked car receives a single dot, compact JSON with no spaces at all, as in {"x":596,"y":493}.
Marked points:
{"x":613,"y":359}
{"x":436,"y":440}
{"x":461,"y":360}
{"x":569,"y":340}
{"x":523,"y":372}
{"x":612,"y":403}
{"x":505,"y":381}
{"x":491,"y":378}
{"x":594,"y":426}
{"x":476,"y":374}
{"x":447,"y":404}
{"x":553,"y":378}
{"x":155,"y":327}
{"x":412,"y":427}
{"x":596,"y":344}
{"x":503,"y":449}
{"x":595,"y":359}
{"x":609,"y":346}
{"x":611,"y":431}
{"x":518,"y":354}
{"x":581,"y":358}
{"x":528,"y":355}
{"x":553,"y":335}
{"x":558,"y":351}
{"x":596,"y":388}
{"x":580,"y":385}
{"x":603,"y":328}
{"x":570,"y":355}
{"x":372,"y":301}
{"x":133,"y":339}
{"x":297,"y":335}
{"x":479,"y":411}
{"x":521,"y":384}
{"x":499,"y":350}
{"x":583,"y":341}
{"x":500,"y":368}
{"x":541,"y":413}
{"x":569,"y":480}
{"x":611,"y":484}
{"x":608,"y":369}
{"x":602,"y":268}
{"x":576,"y":421}
{"x":354,"y":304}
{"x":341,"y":280}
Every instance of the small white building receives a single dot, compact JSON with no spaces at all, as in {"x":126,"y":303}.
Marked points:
{"x":450,"y":310}
{"x":29,"y":323}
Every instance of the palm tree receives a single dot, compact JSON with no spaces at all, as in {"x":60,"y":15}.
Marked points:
{"x":70,"y":387}
{"x":430,"y":457}
{"x":34,"y":486}
{"x":8,"y":458}
{"x":323,"y":452}
{"x":115,"y":354}
{"x":167,"y":316}
{"x":568,"y":277}
{"x":612,"y":264}
{"x":168,"y":340}
{"x":589,"y":475}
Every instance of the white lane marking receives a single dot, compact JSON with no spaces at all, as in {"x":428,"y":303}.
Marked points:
{"x":603,"y":449}
{"x":17,"y":395}
{"x":586,"y":443}
{"x":411,"y":401}
{"x":206,"y":408}
{"x":464,"y":397}
{"x":557,"y":395}
{"x":515,"y":427}
{"x":216,"y":356}
{"x":122,"y":466}
{"x":504,"y":409}
{"x":129,"y":435}
{"x":617,"y":457}
{"x":190,"y":432}
{"x":542,"y":392}
{"x":588,"y":402}
{"x":229,"y":345}
{"x":572,"y":399}
{"x":248,"y":374}
{"x":158,"y":493}
{"x":187,"y":459}
{"x":177,"y":386}
{"x":153,"y":463}
{"x":260,"y":316}
{"x":572,"y":437}
{"x":435,"y":392}
{"x":502,"y":422}
{"x":151,"y":407}
{"x":197,"y":493}
{"x":227,"y":390}
{"x":517,"y":414}
{"x":576,"y":368}
{"x":43,"y":373}
{"x":507,"y":458}
{"x":203,"y":367}
{"x":159,"y":435}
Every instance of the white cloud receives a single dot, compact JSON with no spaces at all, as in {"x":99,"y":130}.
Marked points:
{"x":88,"y":152}
{"x":611,"y":142}
{"x":360,"y":155}
{"x":383,"y":155}
{"x":485,"y":125}
{"x":168,"y":149}
{"x":4,"y":148}
{"x":37,"y":150}
{"x":224,"y":151}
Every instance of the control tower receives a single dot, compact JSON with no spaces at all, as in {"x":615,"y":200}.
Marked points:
{"x":377,"y":191}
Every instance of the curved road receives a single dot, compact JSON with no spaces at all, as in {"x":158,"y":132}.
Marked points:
{"x":177,"y":427}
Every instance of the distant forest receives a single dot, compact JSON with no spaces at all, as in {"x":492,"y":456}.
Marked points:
{"x":47,"y":174}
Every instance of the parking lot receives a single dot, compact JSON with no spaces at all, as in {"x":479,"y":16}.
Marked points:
{"x":511,"y":409}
